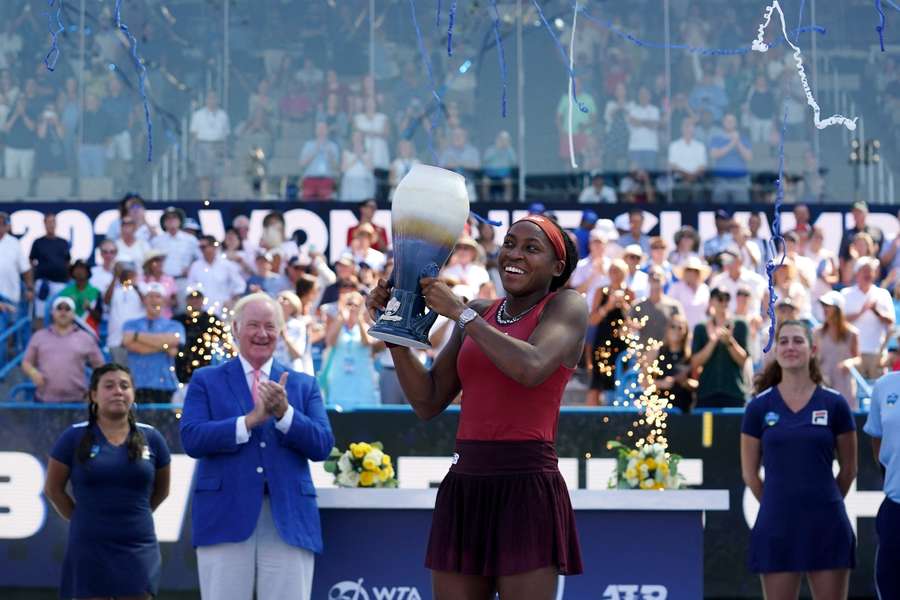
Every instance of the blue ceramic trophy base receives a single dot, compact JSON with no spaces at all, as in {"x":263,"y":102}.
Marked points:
{"x":404,"y":321}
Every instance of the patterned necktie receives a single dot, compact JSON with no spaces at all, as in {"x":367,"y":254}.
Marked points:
{"x":254,"y":389}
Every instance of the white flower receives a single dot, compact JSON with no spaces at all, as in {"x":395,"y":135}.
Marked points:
{"x":344,"y":463}
{"x":633,"y":482}
{"x":376,"y":455}
{"x":632,"y":463}
{"x":657,"y":448}
{"x":348,"y":479}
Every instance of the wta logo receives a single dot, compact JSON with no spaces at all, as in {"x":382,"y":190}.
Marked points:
{"x":354,"y":590}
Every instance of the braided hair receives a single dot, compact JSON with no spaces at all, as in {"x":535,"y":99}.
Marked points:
{"x":136,"y":440}
{"x":571,"y":260}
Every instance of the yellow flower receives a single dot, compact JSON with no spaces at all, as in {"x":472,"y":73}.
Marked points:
{"x":386,"y":460}
{"x":631,"y":474}
{"x":367,"y":479}
{"x":664,"y":468}
{"x":647,"y":484}
{"x":651,"y":464}
{"x":358,"y":450}
{"x":633,"y":454}
{"x":369,"y":465}
{"x":389,"y":470}
{"x":383,"y":475}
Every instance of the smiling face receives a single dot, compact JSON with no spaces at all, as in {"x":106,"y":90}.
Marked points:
{"x":527,"y":260}
{"x":257,"y":330}
{"x":113,"y":395}
{"x":793,"y":346}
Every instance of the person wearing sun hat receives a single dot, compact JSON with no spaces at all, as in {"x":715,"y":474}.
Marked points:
{"x":838,"y":344}
{"x":153,"y":271}
{"x":465,"y":264}
{"x":691,"y":290}
{"x":179,"y":248}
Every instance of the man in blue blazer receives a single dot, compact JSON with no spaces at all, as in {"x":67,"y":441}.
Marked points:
{"x":253,"y":424}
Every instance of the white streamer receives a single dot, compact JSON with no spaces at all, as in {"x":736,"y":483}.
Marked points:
{"x":571,"y":86}
{"x":760,"y":46}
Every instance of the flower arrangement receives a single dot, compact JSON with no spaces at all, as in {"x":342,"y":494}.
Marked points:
{"x":362,"y":465}
{"x":649,"y":467}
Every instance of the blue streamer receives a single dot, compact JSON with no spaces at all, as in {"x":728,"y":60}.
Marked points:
{"x":142,"y":77}
{"x":501,"y":56}
{"x":427,"y":61}
{"x":880,"y":27}
{"x":437,"y":15}
{"x":563,"y":53}
{"x":450,"y":28}
{"x":691,"y":49}
{"x":892,"y":4}
{"x":54,"y":52}
{"x":799,"y":22}
{"x":777,"y":239}
{"x":484,"y":220}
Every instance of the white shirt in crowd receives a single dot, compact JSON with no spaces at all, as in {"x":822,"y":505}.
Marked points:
{"x":584,"y":272}
{"x":180,"y":249}
{"x":134,"y":253}
{"x":643,"y":138}
{"x":219,"y":281}
{"x":13,"y":263}
{"x":639,"y":283}
{"x":100,"y":278}
{"x":694,"y":302}
{"x":210,"y":126}
{"x":686,"y":156}
{"x":747,"y":278}
{"x":872,"y":331}
{"x":590,"y":195}
{"x":472,"y":275}
{"x":126,"y":304}
{"x":371,"y":257}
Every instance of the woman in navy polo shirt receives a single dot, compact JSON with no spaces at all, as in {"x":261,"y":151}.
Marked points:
{"x":793,"y":428}
{"x":119,"y":471}
{"x":883,"y":425}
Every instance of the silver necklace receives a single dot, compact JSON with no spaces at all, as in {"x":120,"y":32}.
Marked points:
{"x":507,"y":320}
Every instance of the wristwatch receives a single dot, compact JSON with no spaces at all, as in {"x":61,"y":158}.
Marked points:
{"x":466,"y":317}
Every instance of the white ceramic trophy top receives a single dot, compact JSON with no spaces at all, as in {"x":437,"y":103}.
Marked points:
{"x":431,"y":203}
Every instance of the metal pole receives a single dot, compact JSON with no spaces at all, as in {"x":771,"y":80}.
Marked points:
{"x":226,"y":56}
{"x":815,"y":74}
{"x":165,"y":177}
{"x":891,"y":187}
{"x":520,"y":97}
{"x":81,"y":63}
{"x":881,"y":190}
{"x":668,"y":92}
{"x":372,"y":40}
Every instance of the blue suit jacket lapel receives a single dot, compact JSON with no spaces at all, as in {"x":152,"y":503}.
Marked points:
{"x":237,"y":382}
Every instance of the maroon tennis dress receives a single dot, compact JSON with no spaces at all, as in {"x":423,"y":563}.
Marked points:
{"x":504,"y":509}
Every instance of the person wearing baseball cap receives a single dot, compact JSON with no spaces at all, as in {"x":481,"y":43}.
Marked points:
{"x":870,"y":309}
{"x":722,"y":239}
{"x":838,"y":343}
{"x":719,"y":351}
{"x":153,"y":342}
{"x":56,"y":356}
{"x":582,"y":234}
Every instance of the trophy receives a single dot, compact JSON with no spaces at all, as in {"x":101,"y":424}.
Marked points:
{"x":428,"y":215}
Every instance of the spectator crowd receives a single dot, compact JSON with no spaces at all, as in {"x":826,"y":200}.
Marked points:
{"x":690,"y":316}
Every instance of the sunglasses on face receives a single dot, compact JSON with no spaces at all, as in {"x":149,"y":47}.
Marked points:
{"x":112,"y":251}
{"x":63,"y":308}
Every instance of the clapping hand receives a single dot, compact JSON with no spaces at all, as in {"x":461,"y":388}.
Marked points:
{"x":273,"y":395}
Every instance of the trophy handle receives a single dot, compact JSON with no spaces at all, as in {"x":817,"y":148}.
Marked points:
{"x":378,"y":311}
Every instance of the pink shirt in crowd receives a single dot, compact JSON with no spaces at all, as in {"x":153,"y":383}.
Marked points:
{"x":61,"y":359}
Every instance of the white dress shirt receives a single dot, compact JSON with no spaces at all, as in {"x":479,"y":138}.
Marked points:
{"x":181,"y":250}
{"x":219,"y":281}
{"x":242,"y":434}
{"x":13,"y":262}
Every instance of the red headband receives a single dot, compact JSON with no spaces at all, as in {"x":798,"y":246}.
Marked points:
{"x":551,"y":231}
